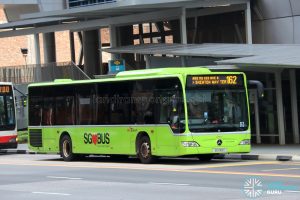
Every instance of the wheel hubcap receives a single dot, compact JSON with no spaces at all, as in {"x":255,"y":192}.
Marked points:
{"x":145,"y":150}
{"x":66,"y":148}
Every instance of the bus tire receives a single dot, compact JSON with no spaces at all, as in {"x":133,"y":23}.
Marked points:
{"x":205,"y":157}
{"x":66,"y":151}
{"x":144,"y":150}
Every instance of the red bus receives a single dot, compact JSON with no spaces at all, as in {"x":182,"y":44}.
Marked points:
{"x":8,"y":125}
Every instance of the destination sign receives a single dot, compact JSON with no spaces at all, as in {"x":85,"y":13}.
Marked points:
{"x":215,"y":80}
{"x":5,"y":89}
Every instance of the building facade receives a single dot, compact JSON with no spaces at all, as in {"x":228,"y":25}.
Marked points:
{"x":79,"y":31}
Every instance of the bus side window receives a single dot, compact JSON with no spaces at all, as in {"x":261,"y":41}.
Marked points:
{"x":65,"y":110}
{"x":47,"y":111}
{"x":142,"y":107}
{"x":35,"y":109}
{"x":85,"y":104}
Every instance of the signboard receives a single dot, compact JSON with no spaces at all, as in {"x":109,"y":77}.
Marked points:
{"x":5,"y":89}
{"x":215,"y":80}
{"x":115,"y":66}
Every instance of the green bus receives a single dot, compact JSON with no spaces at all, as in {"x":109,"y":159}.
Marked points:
{"x":148,"y":113}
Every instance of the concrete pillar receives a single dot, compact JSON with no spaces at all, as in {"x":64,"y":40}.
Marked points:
{"x":294,"y":105}
{"x":271,"y":116}
{"x":113,"y":39}
{"x":125,"y":37}
{"x":183,"y":33}
{"x":175,"y":26}
{"x":49,"y":47}
{"x":100,"y":53}
{"x":248,"y":24}
{"x":280,"y":114}
{"x":38,"y":72}
{"x":257,"y":121}
{"x":183,"y":30}
{"x":72,"y":46}
{"x":91,"y":52}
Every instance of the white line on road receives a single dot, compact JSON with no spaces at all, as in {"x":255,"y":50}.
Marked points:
{"x":178,"y":184}
{"x":63,"y":177}
{"x":292,"y":191}
{"x":51,"y":193}
{"x":282,"y":169}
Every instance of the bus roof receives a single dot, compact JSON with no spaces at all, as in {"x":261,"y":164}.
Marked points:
{"x":5,"y":83}
{"x":135,"y":74}
{"x":163,"y":71}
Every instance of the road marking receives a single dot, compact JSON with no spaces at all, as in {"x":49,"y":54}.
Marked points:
{"x":281,"y":169}
{"x":290,"y":164}
{"x":177,"y":184}
{"x":292,"y":191}
{"x":51,"y":193}
{"x":159,"y":169}
{"x":240,"y":164}
{"x":62,"y":177}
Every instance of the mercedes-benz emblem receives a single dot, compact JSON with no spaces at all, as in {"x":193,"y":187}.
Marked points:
{"x":219,"y":142}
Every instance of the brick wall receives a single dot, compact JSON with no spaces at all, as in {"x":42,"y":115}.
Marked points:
{"x":10,"y":53}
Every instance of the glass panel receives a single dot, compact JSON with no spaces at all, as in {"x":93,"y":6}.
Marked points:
{"x":7,"y":111}
{"x":2,"y":111}
{"x":85,"y":104}
{"x":10,"y":110}
{"x":221,"y":110}
{"x":65,"y":114}
{"x":35,"y":106}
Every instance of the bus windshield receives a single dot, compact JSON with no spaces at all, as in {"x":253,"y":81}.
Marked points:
{"x":217,"y":108}
{"x":7,"y":113}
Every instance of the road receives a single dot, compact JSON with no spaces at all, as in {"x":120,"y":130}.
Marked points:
{"x":48,"y":177}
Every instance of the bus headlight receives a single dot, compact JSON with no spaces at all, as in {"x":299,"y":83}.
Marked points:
{"x":245,"y":142}
{"x":190,"y":144}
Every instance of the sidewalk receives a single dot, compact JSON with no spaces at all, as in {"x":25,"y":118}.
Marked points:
{"x":269,"y":152}
{"x":258,"y":152}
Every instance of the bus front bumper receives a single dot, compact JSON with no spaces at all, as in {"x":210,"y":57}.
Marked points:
{"x":8,"y":142}
{"x":216,"y":144}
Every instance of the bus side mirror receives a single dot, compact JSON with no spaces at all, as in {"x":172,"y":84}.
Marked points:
{"x":259,"y":86}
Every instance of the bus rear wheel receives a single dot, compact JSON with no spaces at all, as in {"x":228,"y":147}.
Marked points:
{"x":66,"y":150}
{"x":144,"y":150}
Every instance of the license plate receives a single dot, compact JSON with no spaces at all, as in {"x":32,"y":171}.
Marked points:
{"x":220,"y":150}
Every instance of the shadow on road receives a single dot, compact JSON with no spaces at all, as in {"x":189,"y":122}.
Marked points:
{"x":134,"y":160}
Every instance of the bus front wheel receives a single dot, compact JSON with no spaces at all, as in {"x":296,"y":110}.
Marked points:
{"x":66,"y":148}
{"x":144,"y":150}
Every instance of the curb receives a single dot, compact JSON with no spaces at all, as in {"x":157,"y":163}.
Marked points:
{"x":14,"y":151}
{"x":259,"y":157}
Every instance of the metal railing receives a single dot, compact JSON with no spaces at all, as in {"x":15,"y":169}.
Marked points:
{"x":81,"y":3}
{"x":41,"y":73}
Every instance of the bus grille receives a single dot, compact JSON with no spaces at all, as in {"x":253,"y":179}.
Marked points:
{"x":35,"y":137}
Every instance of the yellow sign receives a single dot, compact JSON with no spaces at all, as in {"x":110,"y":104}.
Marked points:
{"x":4,"y":89}
{"x":117,"y":62}
{"x":215,"y":80}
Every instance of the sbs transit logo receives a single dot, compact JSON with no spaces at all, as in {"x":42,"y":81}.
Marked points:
{"x":96,"y":138}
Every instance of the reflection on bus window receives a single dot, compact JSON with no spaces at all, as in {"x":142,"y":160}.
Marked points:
{"x":217,"y":110}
